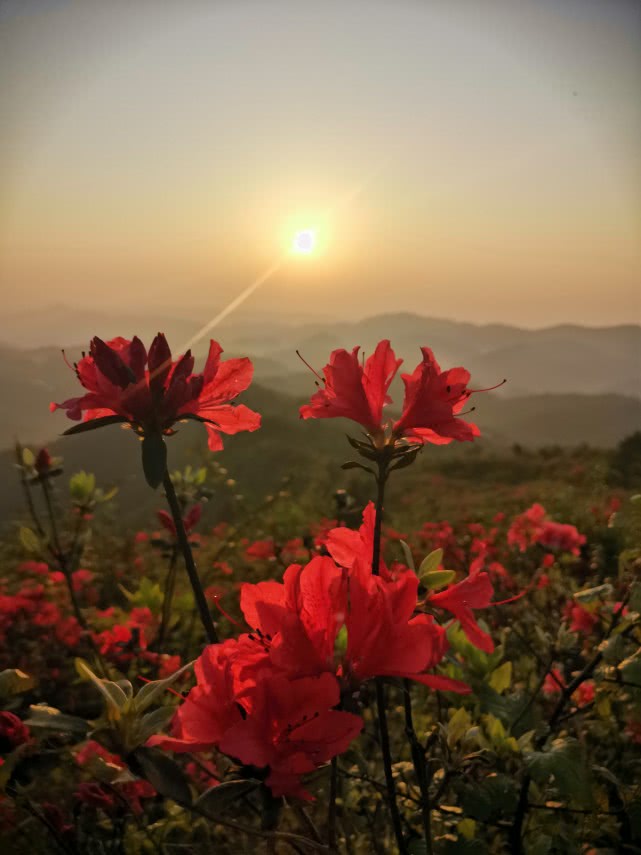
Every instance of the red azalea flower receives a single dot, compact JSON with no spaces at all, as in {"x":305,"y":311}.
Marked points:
{"x":353,"y":390}
{"x":291,"y":728}
{"x":261,"y":549}
{"x":300,"y":622}
{"x":147,"y":390}
{"x":43,"y":462}
{"x":581,"y":620}
{"x":96,"y":796}
{"x":261,"y":718}
{"x":473,"y":592}
{"x":13,"y":732}
{"x":190,"y":520}
{"x":92,"y":750}
{"x":553,"y":683}
{"x":433,"y":398}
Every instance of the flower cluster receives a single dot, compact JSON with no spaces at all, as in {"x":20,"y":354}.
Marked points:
{"x":267,"y":699}
{"x":432,"y":407}
{"x":533,"y":526}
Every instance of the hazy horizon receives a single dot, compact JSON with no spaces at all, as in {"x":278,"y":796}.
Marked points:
{"x":478,"y":162}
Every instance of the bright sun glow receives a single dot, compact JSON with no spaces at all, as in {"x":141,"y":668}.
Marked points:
{"x":304,"y":241}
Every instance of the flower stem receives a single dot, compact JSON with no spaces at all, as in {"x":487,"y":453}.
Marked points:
{"x":190,"y":564}
{"x":331,"y":812}
{"x":61,"y":556}
{"x":170,"y":586}
{"x":420,"y":769}
{"x":380,"y":689}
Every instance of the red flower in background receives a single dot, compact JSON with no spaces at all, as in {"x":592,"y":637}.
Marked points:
{"x":261,"y":549}
{"x":190,"y":520}
{"x":13,"y":732}
{"x":124,"y":383}
{"x":533,"y":526}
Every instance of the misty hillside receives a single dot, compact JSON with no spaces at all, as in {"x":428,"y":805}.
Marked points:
{"x":560,"y":359}
{"x":566,"y":384}
{"x":287,"y":445}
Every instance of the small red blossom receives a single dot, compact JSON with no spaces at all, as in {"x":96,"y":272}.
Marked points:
{"x":43,"y":462}
{"x":95,"y":796}
{"x":473,"y":592}
{"x":37,"y":568}
{"x":553,"y":683}
{"x":581,"y":620}
{"x":13,"y":732}
{"x":261,"y":549}
{"x":149,"y":391}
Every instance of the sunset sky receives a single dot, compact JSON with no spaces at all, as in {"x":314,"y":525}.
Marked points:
{"x":473,"y":160}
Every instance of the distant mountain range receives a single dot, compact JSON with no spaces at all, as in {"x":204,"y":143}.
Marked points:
{"x":566,"y":384}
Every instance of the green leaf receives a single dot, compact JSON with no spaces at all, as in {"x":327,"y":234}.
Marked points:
{"x":14,"y":682}
{"x":162,"y":772}
{"x":487,"y":800}
{"x":50,"y":718}
{"x":434,"y":580}
{"x":29,"y":539}
{"x":430,"y":563}
{"x":93,"y":424}
{"x":216,"y":799}
{"x":635,"y":597}
{"x":591,"y":595}
{"x":28,"y":458}
{"x":114,"y":696}
{"x":407,"y":459}
{"x":565,"y":762}
{"x":353,"y":464}
{"x":150,"y":691}
{"x":155,"y":721}
{"x":154,"y":459}
{"x":501,"y":679}
{"x":81,"y":485}
{"x":458,"y":726}
{"x":630,"y":669}
{"x":407,"y":552}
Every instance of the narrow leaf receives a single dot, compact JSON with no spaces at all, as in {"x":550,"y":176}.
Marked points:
{"x":93,"y":424}
{"x":162,"y":772}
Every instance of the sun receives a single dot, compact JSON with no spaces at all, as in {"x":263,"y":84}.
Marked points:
{"x":304,"y":241}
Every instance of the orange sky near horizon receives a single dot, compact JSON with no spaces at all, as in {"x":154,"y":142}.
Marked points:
{"x":479,"y":161}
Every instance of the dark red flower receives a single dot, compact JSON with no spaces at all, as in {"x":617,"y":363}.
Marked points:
{"x":43,"y":462}
{"x":151,"y":392}
{"x":13,"y":732}
{"x":96,"y":796}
